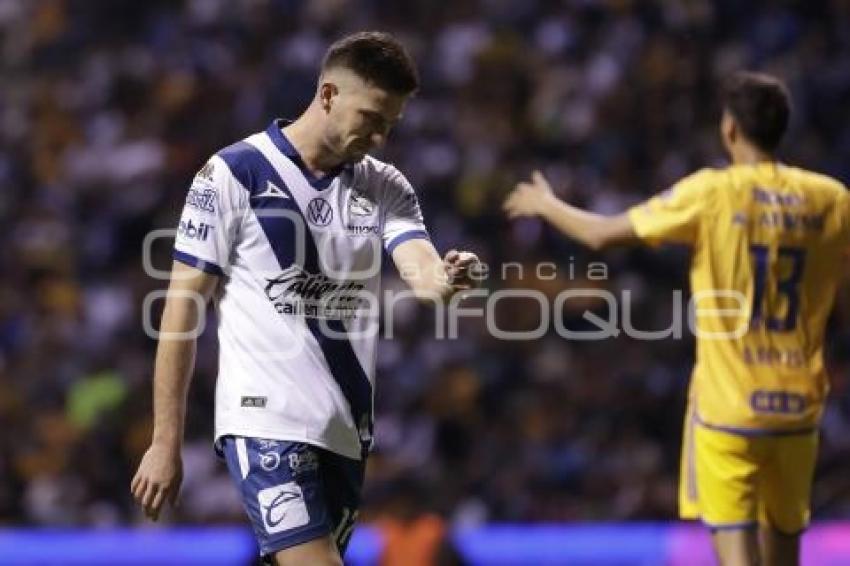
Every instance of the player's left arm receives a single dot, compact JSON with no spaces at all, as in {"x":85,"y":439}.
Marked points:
{"x":432,"y":277}
{"x":595,"y":231}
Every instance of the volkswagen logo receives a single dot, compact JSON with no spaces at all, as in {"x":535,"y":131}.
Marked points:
{"x":319,"y":212}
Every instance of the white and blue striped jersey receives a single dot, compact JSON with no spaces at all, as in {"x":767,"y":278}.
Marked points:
{"x":300,"y":264}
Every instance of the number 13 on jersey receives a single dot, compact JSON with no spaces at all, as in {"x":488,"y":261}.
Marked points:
{"x":765,"y":312}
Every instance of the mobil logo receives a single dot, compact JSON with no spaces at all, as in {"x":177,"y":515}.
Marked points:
{"x":192,"y":231}
{"x":319,"y":212}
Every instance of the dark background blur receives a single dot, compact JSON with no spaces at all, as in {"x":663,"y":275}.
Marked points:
{"x":107,"y":109}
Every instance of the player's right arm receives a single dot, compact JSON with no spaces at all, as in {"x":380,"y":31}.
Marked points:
{"x":674,"y":216}
{"x":203,"y":244}
{"x":160,"y":472}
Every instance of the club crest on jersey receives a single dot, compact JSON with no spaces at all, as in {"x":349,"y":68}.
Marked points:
{"x":319,"y":212}
{"x":359,"y":205}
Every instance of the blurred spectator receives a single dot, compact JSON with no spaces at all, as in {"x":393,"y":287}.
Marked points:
{"x":412,"y":534}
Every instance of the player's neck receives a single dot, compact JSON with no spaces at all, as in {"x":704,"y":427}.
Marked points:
{"x":307,"y":141}
{"x":746,"y":154}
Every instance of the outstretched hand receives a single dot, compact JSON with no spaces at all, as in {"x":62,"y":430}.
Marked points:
{"x":529,"y":198}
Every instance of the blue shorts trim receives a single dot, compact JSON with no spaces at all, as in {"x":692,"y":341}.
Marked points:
{"x":294,"y":492}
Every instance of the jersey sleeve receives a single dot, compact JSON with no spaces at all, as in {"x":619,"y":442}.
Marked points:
{"x":674,"y":216}
{"x":403,"y":220}
{"x":210,"y":219}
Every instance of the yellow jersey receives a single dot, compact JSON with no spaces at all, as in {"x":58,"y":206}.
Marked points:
{"x":768,"y":244}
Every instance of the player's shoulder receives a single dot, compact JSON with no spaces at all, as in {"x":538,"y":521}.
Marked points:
{"x":377,"y":174}
{"x":214,"y":172}
{"x":817,"y":181}
{"x":240,"y":155}
{"x":705,"y":176}
{"x":700,"y":181}
{"x":241,"y":162}
{"x":377,"y":168}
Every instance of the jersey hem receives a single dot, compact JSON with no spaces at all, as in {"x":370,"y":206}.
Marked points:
{"x":747,"y":431}
{"x":286,"y":437}
{"x":198,"y":263}
{"x":402,"y":238}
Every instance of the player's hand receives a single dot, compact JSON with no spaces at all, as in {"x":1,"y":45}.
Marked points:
{"x":529,"y":199}
{"x":463,"y":270}
{"x":158,"y":479}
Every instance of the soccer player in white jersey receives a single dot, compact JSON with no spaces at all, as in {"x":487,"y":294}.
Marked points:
{"x":285,"y":231}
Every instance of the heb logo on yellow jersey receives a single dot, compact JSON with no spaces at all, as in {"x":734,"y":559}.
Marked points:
{"x":782,"y":402}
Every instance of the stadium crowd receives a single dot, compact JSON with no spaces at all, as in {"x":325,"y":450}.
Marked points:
{"x":109,"y":107}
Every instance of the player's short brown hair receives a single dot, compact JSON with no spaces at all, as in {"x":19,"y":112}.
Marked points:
{"x":378,"y":58}
{"x":760,"y":104}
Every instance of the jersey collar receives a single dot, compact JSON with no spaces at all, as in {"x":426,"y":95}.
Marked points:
{"x":275,"y":132}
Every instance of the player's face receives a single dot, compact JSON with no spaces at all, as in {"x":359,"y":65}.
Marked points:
{"x":360,"y":118}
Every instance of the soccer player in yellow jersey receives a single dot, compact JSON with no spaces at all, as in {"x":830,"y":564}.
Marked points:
{"x":767,"y":241}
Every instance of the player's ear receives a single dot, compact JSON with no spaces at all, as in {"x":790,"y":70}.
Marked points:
{"x":732,"y":130}
{"x":728,"y":128}
{"x":327,"y":92}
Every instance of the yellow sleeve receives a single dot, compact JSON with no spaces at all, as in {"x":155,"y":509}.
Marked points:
{"x":837,"y":225}
{"x":843,"y":210}
{"x":674,"y":216}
